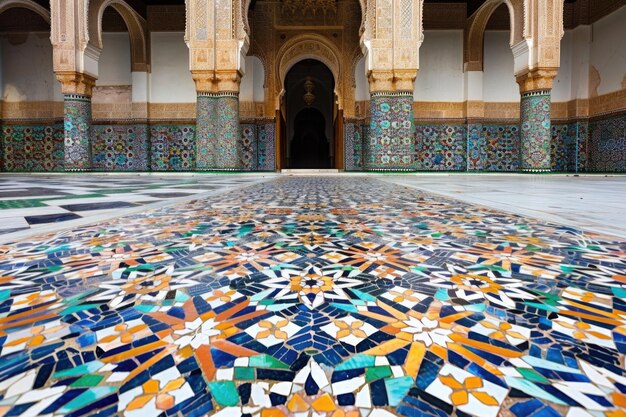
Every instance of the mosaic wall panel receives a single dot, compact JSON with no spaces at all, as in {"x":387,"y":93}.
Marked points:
{"x":568,"y":147}
{"x":391,"y":139}
{"x":205,"y":131}
{"x":77,"y":120}
{"x":172,"y":147}
{"x":440,"y":147}
{"x":249,"y":146}
{"x":32,"y":148}
{"x":535,"y":131}
{"x":266,"y":147}
{"x":120,"y":147}
{"x":607,"y":145}
{"x":353,"y":146}
{"x":501,"y":147}
{"x":477,"y":147}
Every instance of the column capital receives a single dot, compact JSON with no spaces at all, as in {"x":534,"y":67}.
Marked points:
{"x":228,"y":81}
{"x":536,"y":79}
{"x":222,"y":81}
{"x":392,"y":80}
{"x":76,"y":82}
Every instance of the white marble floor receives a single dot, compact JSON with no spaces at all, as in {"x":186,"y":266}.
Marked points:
{"x":592,"y":202}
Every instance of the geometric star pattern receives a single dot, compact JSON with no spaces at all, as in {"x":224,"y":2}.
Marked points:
{"x":314,"y":297}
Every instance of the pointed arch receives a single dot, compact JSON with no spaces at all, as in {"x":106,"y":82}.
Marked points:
{"x":137,"y":29}
{"x":25,"y":4}
{"x":475,"y":30}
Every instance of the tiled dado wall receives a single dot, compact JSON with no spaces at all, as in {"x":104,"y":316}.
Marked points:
{"x":597,"y":145}
{"x":127,"y":147}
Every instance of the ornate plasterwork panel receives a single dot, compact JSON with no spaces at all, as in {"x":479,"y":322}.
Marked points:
{"x":536,"y":32}
{"x":68,"y":34}
{"x":278,"y":39}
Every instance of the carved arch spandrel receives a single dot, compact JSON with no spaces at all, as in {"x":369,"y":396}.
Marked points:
{"x":309,"y":46}
{"x":473,"y":50}
{"x":137,"y":29}
{"x":25,"y":4}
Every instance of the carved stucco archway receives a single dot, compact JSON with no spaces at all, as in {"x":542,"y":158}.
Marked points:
{"x":307,"y":47}
{"x":137,"y":30}
{"x":477,"y":23}
{"x":25,"y":4}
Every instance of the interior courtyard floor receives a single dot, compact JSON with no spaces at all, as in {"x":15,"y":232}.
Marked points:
{"x":373,"y":295}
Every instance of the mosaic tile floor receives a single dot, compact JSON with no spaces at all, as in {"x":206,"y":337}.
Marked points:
{"x":315,"y":297}
{"x":33,"y":201}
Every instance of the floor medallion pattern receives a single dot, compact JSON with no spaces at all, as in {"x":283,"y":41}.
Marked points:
{"x":315,"y":297}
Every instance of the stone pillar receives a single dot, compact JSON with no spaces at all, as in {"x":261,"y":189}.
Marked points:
{"x":390,"y":144}
{"x":77,"y":89}
{"x":218,"y":144}
{"x":535,"y":125}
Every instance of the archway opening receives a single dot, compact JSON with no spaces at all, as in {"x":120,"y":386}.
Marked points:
{"x":310,"y":110}
{"x":310,"y":146}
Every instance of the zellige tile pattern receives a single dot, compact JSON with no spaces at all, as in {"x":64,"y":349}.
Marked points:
{"x":315,"y":297}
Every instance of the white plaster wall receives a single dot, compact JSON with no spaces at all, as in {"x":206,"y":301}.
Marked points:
{"x":253,"y":81}
{"x":581,"y":51}
{"x":171,"y":80}
{"x":362,"y":92}
{"x":608,"y":50}
{"x":440,"y":77}
{"x":499,"y":80}
{"x":114,"y":63}
{"x":562,"y":86}
{"x":26,"y":67}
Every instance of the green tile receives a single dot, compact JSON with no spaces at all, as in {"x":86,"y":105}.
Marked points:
{"x":87,"y":381}
{"x":266,"y":361}
{"x":377,"y":372}
{"x":245,"y":374}
{"x":17,"y":204}
{"x":533,"y":375}
{"x":225,"y":393}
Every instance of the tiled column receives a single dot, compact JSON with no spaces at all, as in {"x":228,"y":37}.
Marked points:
{"x":77,"y":89}
{"x":217,"y":121}
{"x":206,"y":117}
{"x":228,"y":155}
{"x":391,"y":141}
{"x":535,"y":130}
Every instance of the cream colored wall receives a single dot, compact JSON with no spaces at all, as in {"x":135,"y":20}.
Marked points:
{"x":170,"y":81}
{"x":114,"y":64}
{"x":562,"y":86}
{"x":361,"y":92}
{"x":26,"y":62}
{"x":440,"y":77}
{"x":499,"y":81}
{"x":253,"y":80}
{"x":608,"y":51}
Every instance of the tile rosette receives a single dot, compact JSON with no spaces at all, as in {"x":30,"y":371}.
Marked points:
{"x":535,"y":131}
{"x":390,"y":144}
{"x":342,"y":296}
{"x":77,"y":125}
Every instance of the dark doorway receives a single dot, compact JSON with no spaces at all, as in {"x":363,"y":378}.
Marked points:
{"x":310,"y":111}
{"x":310,"y":147}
